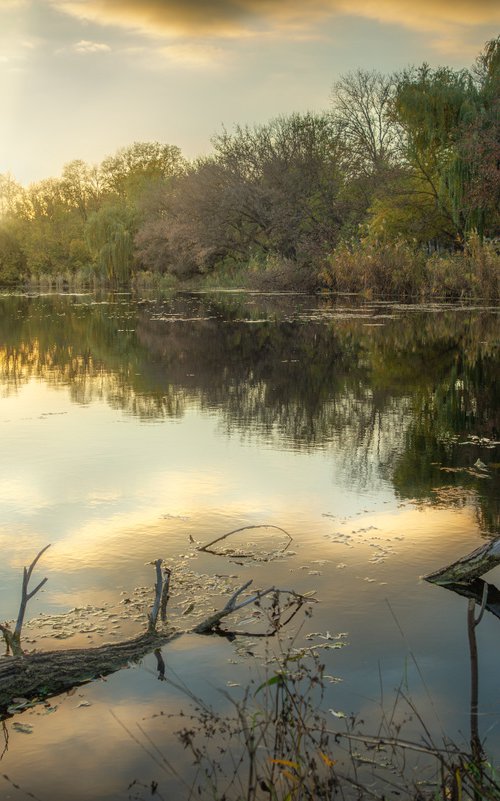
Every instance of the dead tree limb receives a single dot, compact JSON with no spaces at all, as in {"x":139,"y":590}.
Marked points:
{"x":208,"y":547}
{"x":46,"y":674}
{"x":207,"y":625}
{"x":469,"y":567}
{"x":211,"y":624}
{"x":52,"y":672}
{"x":161,"y":596}
{"x":165,"y":593}
{"x":395,"y":742}
{"x":13,"y":638}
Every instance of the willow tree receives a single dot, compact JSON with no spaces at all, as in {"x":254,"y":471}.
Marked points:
{"x":109,"y":238}
{"x":443,"y":114}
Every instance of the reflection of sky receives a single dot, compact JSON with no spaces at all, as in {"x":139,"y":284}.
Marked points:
{"x":111,"y":493}
{"x":79,"y":476}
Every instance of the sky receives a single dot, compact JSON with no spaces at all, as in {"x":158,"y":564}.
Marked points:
{"x":82,"y":78}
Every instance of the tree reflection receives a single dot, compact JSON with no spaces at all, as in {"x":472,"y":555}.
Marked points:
{"x":399,"y":402}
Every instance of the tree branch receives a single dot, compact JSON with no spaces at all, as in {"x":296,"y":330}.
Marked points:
{"x":208,"y":546}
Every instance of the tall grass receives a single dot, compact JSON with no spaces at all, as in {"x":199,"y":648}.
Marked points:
{"x":398,"y":269}
{"x":278,"y":742}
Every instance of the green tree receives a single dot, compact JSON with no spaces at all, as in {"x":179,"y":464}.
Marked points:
{"x":109,"y":238}
{"x":12,"y":255}
{"x":82,"y":187}
{"x":132,"y":169}
{"x":449,"y":120}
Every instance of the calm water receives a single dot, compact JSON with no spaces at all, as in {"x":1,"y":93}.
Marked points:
{"x":132,"y":429}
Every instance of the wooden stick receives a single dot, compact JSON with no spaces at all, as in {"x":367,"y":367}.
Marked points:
{"x":208,"y":546}
{"x":210,"y":623}
{"x":394,"y":742}
{"x":161,"y":596}
{"x":13,"y":638}
{"x":165,"y":593}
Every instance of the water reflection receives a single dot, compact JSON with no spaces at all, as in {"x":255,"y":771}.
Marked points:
{"x":131,"y":428}
{"x":405,"y":397}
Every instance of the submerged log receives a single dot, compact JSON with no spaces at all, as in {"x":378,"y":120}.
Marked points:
{"x":469,"y":567}
{"x":41,"y":675}
{"x":45,"y":674}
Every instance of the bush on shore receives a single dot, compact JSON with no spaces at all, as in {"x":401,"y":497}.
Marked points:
{"x":401,"y":270}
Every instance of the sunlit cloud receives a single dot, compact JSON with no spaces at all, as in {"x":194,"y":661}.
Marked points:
{"x":226,"y":18}
{"x":192,"y":55}
{"x":84,"y":46}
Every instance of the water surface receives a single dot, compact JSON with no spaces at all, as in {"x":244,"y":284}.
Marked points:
{"x":135,"y":428}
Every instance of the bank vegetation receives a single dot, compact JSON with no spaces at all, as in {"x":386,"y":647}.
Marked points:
{"x":393,"y":189}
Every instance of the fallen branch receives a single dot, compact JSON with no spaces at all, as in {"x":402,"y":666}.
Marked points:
{"x":13,"y":638}
{"x":46,"y":674}
{"x":394,"y":742}
{"x":161,"y":596}
{"x":52,"y":672}
{"x":208,"y":547}
{"x":469,"y":567}
{"x":212,"y":622}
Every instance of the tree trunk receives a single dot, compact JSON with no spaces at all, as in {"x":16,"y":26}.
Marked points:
{"x":46,"y":674}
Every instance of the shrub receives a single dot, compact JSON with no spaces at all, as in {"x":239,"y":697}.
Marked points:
{"x":279,"y":274}
{"x":472,"y":272}
{"x":394,"y":268}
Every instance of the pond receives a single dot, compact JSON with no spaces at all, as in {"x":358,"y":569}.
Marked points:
{"x":137,"y":428}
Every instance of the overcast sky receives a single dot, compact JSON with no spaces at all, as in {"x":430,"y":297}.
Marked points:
{"x":81,"y":78}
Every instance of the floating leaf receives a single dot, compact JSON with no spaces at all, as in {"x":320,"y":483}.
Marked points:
{"x":326,"y":759}
{"x":24,"y":728}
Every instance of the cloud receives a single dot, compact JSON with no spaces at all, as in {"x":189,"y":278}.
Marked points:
{"x":193,"y":55}
{"x":84,"y":46}
{"x":228,"y":18}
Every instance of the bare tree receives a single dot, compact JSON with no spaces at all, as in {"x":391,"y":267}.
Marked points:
{"x":361,"y":103}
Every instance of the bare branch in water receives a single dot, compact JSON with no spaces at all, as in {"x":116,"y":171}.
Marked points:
{"x":208,"y":547}
{"x":13,"y":638}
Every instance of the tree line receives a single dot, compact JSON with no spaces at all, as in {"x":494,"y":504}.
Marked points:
{"x":405,"y":160}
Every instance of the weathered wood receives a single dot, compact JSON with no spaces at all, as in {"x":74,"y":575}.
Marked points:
{"x":165,"y":593}
{"x":153,"y":615}
{"x":49,"y":673}
{"x":208,"y":625}
{"x":46,"y":674}
{"x":469,"y":567}
{"x":208,"y":547}
{"x":13,"y":638}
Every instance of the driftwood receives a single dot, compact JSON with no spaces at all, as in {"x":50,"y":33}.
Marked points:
{"x":469,"y":567}
{"x":463,"y":577}
{"x":208,"y":548}
{"x":41,"y":675}
{"x":13,"y":638}
{"x":161,"y":596}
